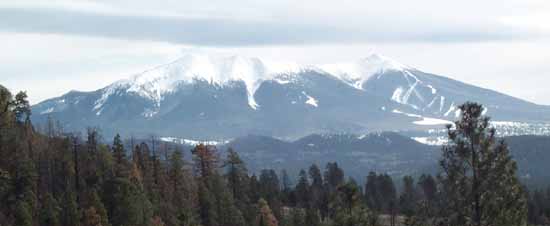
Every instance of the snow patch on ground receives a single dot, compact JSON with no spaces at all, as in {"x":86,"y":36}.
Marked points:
{"x":451,"y":109}
{"x":310,"y":100}
{"x":434,"y":91}
{"x":437,"y":141}
{"x":396,"y":96}
{"x":407,"y":114}
{"x":432,"y":122}
{"x":47,"y":111}
{"x":149,"y":113}
{"x":194,"y":142}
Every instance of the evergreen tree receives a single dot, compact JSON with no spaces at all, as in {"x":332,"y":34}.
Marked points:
{"x":312,"y":217}
{"x":236,"y":174}
{"x":334,"y":176}
{"x":408,"y":199}
{"x":95,"y":201}
{"x":129,"y":205}
{"x":372,"y":195}
{"x":479,"y":175}
{"x":49,"y":215}
{"x":302,"y":190}
{"x":269,"y":185}
{"x":21,"y":107}
{"x":91,"y":218}
{"x":316,"y":190}
{"x":428,"y":185}
{"x":183,"y":190}
{"x":71,"y":214}
{"x":23,"y":213}
{"x":119,"y":155}
{"x":286,"y":186}
{"x":254,"y":189}
{"x":265,"y":216}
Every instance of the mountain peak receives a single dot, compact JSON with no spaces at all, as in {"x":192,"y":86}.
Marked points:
{"x":215,"y":69}
{"x":356,"y":73}
{"x":378,"y":63}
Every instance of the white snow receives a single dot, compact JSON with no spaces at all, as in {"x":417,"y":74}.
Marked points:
{"x":507,"y":123}
{"x":149,"y":113}
{"x":457,"y":113}
{"x":215,"y":69}
{"x":396,"y":96}
{"x":485,"y":110}
{"x":451,"y":109}
{"x":431,"y":140}
{"x":226,"y":70}
{"x":434,"y":91}
{"x":194,"y":142}
{"x":441,"y":104}
{"x":49,"y":110}
{"x":107,"y":92}
{"x":426,"y":121}
{"x":356,"y":73}
{"x":310,"y":100}
{"x":218,"y":70}
{"x":407,"y":114}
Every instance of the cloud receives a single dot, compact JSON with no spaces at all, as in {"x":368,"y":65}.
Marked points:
{"x":50,"y":47}
{"x":223,"y":30}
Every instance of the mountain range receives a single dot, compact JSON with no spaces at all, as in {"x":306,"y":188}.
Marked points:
{"x":223,"y":97}
{"x":388,"y":152}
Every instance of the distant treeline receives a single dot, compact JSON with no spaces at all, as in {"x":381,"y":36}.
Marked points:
{"x":56,"y":179}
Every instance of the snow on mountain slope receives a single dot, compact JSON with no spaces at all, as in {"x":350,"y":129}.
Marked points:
{"x":357,"y":73}
{"x":216,"y":69}
{"x":207,"y":94}
{"x":220,"y":70}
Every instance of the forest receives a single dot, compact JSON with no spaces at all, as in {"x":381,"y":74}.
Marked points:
{"x":55,"y":178}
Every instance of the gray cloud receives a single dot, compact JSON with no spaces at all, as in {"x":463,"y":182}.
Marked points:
{"x":216,"y":31}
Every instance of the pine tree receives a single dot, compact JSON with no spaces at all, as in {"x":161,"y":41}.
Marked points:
{"x":99,"y":207}
{"x":129,"y":204}
{"x":21,"y":107}
{"x":265,"y":216}
{"x":316,"y":191}
{"x":236,"y":174}
{"x":269,"y":185}
{"x":479,"y":175}
{"x":207,"y":207}
{"x":408,"y":199}
{"x":428,"y":185}
{"x":91,"y":218}
{"x":334,"y":176}
{"x":183,"y":189}
{"x":49,"y":215}
{"x":312,"y":217}
{"x":302,"y":190}
{"x":71,"y":214}
{"x":23,"y":213}
{"x":206,"y":165}
{"x":206,"y":160}
{"x":119,"y":155}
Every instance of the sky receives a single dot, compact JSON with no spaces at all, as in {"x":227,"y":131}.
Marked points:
{"x":48,"y":48}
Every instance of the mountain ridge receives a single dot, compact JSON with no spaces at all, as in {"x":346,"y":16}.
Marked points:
{"x":226,"y":97}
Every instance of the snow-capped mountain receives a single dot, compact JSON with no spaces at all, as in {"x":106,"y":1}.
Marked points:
{"x":217,"y":97}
